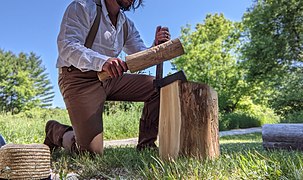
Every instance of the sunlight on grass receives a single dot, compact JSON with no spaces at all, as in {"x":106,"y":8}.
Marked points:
{"x":242,"y":157}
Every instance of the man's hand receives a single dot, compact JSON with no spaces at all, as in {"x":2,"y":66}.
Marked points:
{"x":114,"y":67}
{"x":162,"y":35}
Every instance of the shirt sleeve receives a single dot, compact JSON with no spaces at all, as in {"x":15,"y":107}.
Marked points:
{"x":133,"y":42}
{"x":74,"y":29}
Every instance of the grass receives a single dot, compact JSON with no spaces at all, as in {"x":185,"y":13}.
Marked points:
{"x":242,"y":157}
{"x":28,"y":127}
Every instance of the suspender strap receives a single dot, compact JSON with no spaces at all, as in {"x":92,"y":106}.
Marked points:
{"x":125,"y":32}
{"x":94,"y":29}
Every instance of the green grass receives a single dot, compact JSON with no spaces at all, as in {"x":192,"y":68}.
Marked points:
{"x":242,"y":157}
{"x":28,"y":127}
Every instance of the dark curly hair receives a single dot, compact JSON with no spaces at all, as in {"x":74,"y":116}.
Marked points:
{"x":136,"y":4}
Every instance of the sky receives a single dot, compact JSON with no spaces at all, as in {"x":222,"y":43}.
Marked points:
{"x":33,"y":25}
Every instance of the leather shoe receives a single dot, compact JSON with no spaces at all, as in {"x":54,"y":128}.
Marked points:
{"x":54,"y":134}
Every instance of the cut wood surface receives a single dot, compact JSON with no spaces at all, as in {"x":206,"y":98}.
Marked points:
{"x":150,"y":57}
{"x":170,"y":121}
{"x":188,"y":123}
{"x":282,"y":136}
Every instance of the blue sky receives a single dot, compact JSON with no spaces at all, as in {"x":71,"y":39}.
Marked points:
{"x":32,"y":26}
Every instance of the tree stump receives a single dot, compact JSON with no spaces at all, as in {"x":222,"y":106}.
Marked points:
{"x":282,"y":136}
{"x":188,"y":123}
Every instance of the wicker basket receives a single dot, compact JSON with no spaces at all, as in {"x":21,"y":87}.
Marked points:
{"x":31,"y":161}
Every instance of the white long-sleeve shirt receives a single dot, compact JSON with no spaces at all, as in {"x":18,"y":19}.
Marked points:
{"x":77,"y":21}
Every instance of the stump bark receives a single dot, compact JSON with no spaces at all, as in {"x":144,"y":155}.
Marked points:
{"x":188,"y":123}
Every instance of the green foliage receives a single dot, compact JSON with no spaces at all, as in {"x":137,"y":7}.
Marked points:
{"x":273,"y":54}
{"x":296,"y":117}
{"x":248,"y":114}
{"x":23,"y":83}
{"x":121,"y":123}
{"x":263,"y":113}
{"x":211,"y":58}
{"x":275,"y":37}
{"x":115,"y":106}
{"x":238,"y":120}
{"x":28,"y":126}
{"x":288,"y":98}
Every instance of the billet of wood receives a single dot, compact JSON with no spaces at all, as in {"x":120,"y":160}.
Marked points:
{"x":282,"y":136}
{"x":154,"y":55}
{"x":188,"y":123}
{"x":150,"y":57}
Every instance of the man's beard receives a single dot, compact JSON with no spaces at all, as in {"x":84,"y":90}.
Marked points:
{"x":123,"y":6}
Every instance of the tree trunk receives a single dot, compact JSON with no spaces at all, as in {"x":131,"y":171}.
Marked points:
{"x":283,"y":136}
{"x":188,"y":123}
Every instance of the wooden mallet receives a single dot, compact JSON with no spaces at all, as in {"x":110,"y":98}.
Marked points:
{"x":150,"y":57}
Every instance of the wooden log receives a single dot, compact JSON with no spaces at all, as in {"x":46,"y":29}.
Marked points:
{"x":188,"y":123}
{"x":149,"y":57}
{"x":282,"y":136}
{"x":154,"y":55}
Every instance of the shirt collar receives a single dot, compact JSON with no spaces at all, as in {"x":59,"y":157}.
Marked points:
{"x":121,"y":15}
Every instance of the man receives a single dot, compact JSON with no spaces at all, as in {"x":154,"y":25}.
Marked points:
{"x":84,"y":95}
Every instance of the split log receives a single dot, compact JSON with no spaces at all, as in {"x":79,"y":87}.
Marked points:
{"x":188,"y":123}
{"x":282,"y":136}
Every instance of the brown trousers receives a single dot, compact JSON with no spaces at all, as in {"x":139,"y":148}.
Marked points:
{"x":84,"y":96}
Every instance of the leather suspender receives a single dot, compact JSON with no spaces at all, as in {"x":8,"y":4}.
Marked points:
{"x":125,"y":31}
{"x":94,"y":29}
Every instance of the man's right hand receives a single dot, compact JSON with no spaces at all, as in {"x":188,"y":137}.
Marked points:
{"x":114,"y":67}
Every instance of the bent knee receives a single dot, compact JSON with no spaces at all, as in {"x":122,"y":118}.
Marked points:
{"x":96,"y":145}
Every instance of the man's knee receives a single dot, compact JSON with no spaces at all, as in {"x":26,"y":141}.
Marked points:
{"x":96,"y":146}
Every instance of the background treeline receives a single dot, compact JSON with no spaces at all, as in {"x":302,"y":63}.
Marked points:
{"x":255,"y":65}
{"x":23,"y":83}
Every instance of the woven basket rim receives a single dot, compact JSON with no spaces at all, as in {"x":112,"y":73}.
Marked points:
{"x":25,"y":146}
{"x":34,"y":159}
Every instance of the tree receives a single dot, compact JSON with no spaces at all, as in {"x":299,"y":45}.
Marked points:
{"x":274,"y":31}
{"x":288,"y":98}
{"x":273,"y":52}
{"x":211,"y":58}
{"x":23,"y":83}
{"x":42,"y":83}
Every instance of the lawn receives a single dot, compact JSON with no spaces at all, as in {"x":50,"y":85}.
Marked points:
{"x":242,"y":157}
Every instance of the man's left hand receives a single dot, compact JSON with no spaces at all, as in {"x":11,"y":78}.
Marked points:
{"x":162,"y":35}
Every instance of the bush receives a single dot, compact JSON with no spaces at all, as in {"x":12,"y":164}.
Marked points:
{"x":238,"y":120}
{"x":296,"y":117}
{"x":28,"y":127}
{"x":248,"y":115}
{"x":120,"y":123}
{"x":45,"y":114}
